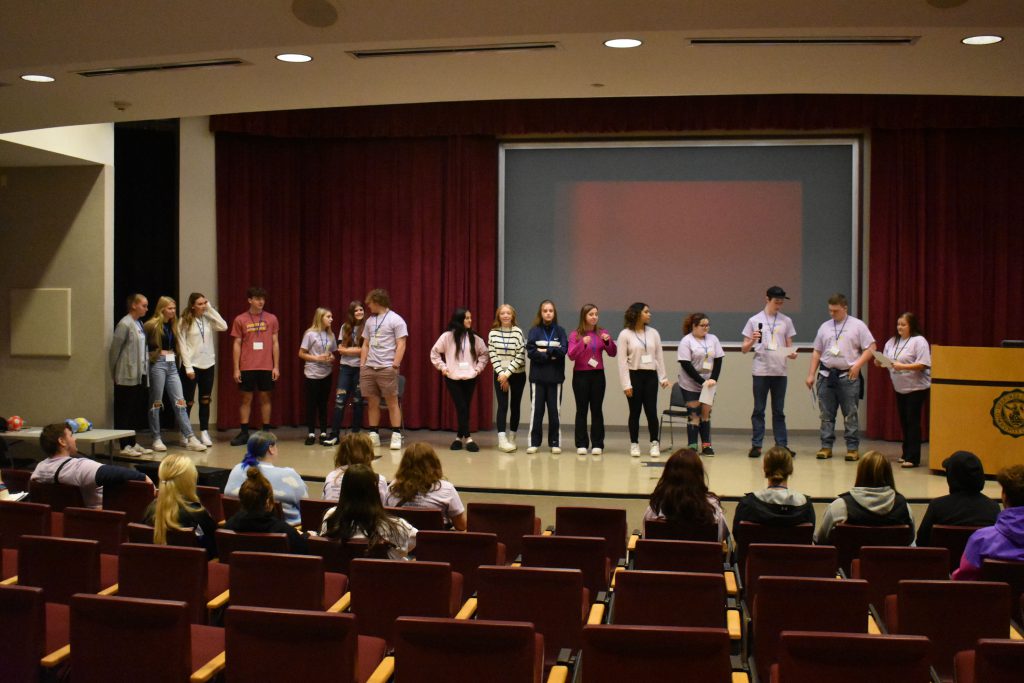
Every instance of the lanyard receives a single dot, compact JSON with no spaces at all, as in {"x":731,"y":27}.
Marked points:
{"x":840,"y":332}
{"x":169,"y":334}
{"x":202,"y":329}
{"x":707,"y":353}
{"x":323,"y":340}
{"x":771,"y":326}
{"x":379,"y":323}
{"x":896,"y":352}
{"x":547,"y":336}
{"x":259,"y":325}
{"x":642,"y":341}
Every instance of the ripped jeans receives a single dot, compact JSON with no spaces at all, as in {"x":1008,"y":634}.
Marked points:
{"x":163,"y":374}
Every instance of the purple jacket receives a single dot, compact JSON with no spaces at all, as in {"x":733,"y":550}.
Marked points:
{"x":581,"y":353}
{"x":1004,"y":541}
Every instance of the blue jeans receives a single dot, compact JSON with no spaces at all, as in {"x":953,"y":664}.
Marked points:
{"x":348,"y":388}
{"x":845,"y":396}
{"x":777,"y":387}
{"x":163,"y":374}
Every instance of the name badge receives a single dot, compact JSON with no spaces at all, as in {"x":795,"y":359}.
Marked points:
{"x":463,"y":364}
{"x":772,"y":343}
{"x":835,"y":349}
{"x":169,"y":357}
{"x":257,"y":346}
{"x":708,"y":363}
{"x":646,"y":359}
{"x":592,"y":362}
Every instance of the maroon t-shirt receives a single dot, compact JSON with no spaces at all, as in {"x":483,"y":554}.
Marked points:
{"x":257,"y":335}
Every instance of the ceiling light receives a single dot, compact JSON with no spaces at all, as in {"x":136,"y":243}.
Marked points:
{"x":37,"y":78}
{"x":981,"y":40}
{"x":294,"y":58}
{"x":623,"y":42}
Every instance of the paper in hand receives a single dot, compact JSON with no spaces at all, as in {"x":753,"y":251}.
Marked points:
{"x":882,"y":359}
{"x":707,"y":394}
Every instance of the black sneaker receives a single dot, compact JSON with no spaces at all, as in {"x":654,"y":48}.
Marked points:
{"x":310,"y":439}
{"x":707,"y":450}
{"x":241,"y":439}
{"x":331,"y":440}
{"x":456,"y":445}
{"x":755,"y":452}
{"x":472,"y":447}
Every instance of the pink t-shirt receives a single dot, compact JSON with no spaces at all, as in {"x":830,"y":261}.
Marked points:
{"x":443,"y":496}
{"x":257,"y":335}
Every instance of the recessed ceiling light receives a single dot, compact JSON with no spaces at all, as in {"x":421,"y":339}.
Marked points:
{"x":37,"y":78}
{"x":623,"y":42}
{"x":981,"y":40}
{"x":294,"y":58}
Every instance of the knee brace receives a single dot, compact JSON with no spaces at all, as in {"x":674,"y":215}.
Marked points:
{"x":693,"y":414}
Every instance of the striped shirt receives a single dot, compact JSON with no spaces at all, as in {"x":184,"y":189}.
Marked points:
{"x":507,"y":348}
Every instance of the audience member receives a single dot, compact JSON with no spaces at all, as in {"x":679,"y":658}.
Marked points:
{"x":1004,"y":540}
{"x":177,"y":505}
{"x":681,"y":496}
{"x":965,"y":505}
{"x":419,"y":482}
{"x":777,"y":504}
{"x":261,"y":451}
{"x":256,"y":514}
{"x":355,"y":448}
{"x":359,"y":514}
{"x":873,"y":500}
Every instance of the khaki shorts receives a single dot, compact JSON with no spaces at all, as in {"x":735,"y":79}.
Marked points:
{"x":378,"y":382}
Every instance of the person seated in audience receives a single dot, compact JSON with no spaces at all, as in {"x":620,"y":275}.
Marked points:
{"x":61,"y":466}
{"x":177,"y":505}
{"x":360,"y":514}
{"x":261,"y":452}
{"x":355,"y":448}
{"x":419,"y":482}
{"x":7,"y":495}
{"x":873,"y":500}
{"x":1004,"y":540}
{"x":256,"y":512}
{"x":965,"y":505}
{"x":777,"y":504}
{"x":681,"y":496}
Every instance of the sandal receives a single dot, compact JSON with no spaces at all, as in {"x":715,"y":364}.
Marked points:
{"x":907,"y":464}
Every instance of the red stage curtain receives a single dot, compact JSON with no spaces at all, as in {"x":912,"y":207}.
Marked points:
{"x":321,"y":222}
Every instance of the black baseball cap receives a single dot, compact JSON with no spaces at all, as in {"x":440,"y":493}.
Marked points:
{"x":776,"y":292}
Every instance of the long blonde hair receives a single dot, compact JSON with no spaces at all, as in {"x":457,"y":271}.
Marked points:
{"x":177,"y":488}
{"x":154,"y":328}
{"x":318,"y":324}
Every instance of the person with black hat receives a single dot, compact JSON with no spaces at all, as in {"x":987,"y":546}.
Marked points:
{"x":965,"y":505}
{"x":765,"y":333}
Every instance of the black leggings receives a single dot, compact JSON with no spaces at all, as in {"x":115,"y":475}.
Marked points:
{"x":317,"y":393}
{"x":131,"y":404}
{"x":545,"y":395}
{"x":645,"y":397}
{"x":910,"y":407}
{"x":462,"y":394}
{"x":588,"y":387}
{"x":509,"y":401}
{"x":204,"y":382}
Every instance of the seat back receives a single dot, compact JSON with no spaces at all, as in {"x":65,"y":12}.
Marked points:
{"x":428,"y":650}
{"x":22,"y":632}
{"x":751,"y":532}
{"x":675,"y":531}
{"x":164,"y":572}
{"x":465,"y":552}
{"x":801,"y":604}
{"x":814,"y":656}
{"x":320,"y":646}
{"x":143,"y":533}
{"x":60,"y":566}
{"x":383,"y":590}
{"x":585,"y":553}
{"x":130,"y":497}
{"x":850,"y":538}
{"x":17,"y":481}
{"x":953,"y":615}
{"x":883,"y":567}
{"x":676,"y":398}
{"x":277,"y":580}
{"x":338,"y":555}
{"x":669,"y":599}
{"x":19,"y":519}
{"x":57,"y":496}
{"x":998,"y":660}
{"x":612,"y":654}
{"x":606,"y":523}
{"x":105,"y":526}
{"x":231,"y":505}
{"x":786,"y":560}
{"x":952,"y":538}
{"x":424,"y":519}
{"x":312,"y":511}
{"x":509,"y":522}
{"x":229,"y":541}
{"x":679,"y":556}
{"x":209,"y":498}
{"x":129,"y":639}
{"x":553,"y":600}
{"x":1010,"y":573}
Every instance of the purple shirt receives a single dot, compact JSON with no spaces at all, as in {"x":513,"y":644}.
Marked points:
{"x":1004,"y":541}
{"x":589,"y":356}
{"x":912,"y":351}
{"x":840,"y":344}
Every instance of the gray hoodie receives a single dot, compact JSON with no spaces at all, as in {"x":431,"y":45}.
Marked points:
{"x":877,"y":499}
{"x":128,"y":363}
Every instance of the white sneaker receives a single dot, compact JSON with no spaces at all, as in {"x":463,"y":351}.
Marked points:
{"x":183,"y":442}
{"x":158,"y":445}
{"x":194,"y":444}
{"x":581,"y":451}
{"x":655,"y":450}
{"x":596,"y":452}
{"x":555,"y":450}
{"x":130,"y":452}
{"x":531,"y":450}
{"x":375,"y":439}
{"x":204,"y":438}
{"x":396,"y":441}
{"x":141,"y":450}
{"x":504,"y":445}
{"x":634,"y":450}
{"x":511,"y":436}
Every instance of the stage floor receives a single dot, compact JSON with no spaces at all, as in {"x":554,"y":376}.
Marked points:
{"x":615,"y":475}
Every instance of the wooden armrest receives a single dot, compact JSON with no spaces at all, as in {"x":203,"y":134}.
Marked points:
{"x":550,"y":531}
{"x":734,"y":624}
{"x":384,"y":671}
{"x":219,"y":601}
{"x":109,"y":590}
{"x":468,"y":609}
{"x":876,"y":625}
{"x":222,"y":522}
{"x":740,"y":677}
{"x":730,"y":584}
{"x":516,"y":564}
{"x":56,"y":657}
{"x":1015,"y":634}
{"x":13,"y":581}
{"x":559,"y":674}
{"x":615,"y":574}
{"x":873,"y":629}
{"x":344,"y":602}
{"x":596,"y":614}
{"x":207,"y":671}
{"x":633,"y":538}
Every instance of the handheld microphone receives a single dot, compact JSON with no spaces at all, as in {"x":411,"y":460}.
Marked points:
{"x":759,"y":326}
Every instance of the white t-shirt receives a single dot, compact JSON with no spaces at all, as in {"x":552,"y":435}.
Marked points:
{"x":383,"y":333}
{"x":332,"y":485}
{"x":840,"y":344}
{"x":317,"y":343}
{"x":702,"y":354}
{"x":913,"y":350}
{"x":443,"y":496}
{"x":402,"y":543}
{"x":776,"y":331}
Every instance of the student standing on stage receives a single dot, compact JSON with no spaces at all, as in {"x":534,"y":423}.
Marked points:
{"x":384,"y":338}
{"x":587,"y":344}
{"x":546,"y":345}
{"x":507,"y":348}
{"x":317,"y":350}
{"x":641,"y":370}
{"x":196,"y":327}
{"x":129,"y":368}
{"x":911,"y":377}
{"x":460,"y":355}
{"x":350,"y":342}
{"x":765,"y":333}
{"x":257,"y":357}
{"x":700,"y":357}
{"x":841,"y":348}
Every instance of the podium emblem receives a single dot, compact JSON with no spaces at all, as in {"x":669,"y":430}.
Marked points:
{"x":1008,"y":412}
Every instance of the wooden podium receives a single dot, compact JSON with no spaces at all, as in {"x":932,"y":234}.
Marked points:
{"x":977,"y":405}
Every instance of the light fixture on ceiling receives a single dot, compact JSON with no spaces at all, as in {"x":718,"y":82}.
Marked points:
{"x":37,"y":78}
{"x":623,"y":42}
{"x":294,"y":58}
{"x":982,"y":40}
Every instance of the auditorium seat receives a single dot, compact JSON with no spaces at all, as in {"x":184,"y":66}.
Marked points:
{"x":167,"y":572}
{"x":32,"y":633}
{"x":850,"y":538}
{"x":130,"y":497}
{"x":62,"y":566}
{"x":509,"y":521}
{"x":952,"y":538}
{"x":651,"y":598}
{"x":57,"y":496}
{"x":606,"y":523}
{"x":209,"y":498}
{"x":312,"y":511}
{"x":674,"y":531}
{"x":990,"y":661}
{"x":105,"y":526}
{"x":571,"y":552}
{"x":16,"y":481}
{"x":338,"y":555}
{"x":17,"y":520}
{"x":231,"y":505}
{"x":817,"y":561}
{"x":678,"y":556}
{"x":466,"y":552}
{"x":422,"y":518}
{"x":229,"y":541}
{"x":612,"y":654}
{"x":751,"y":532}
{"x":816,"y":656}
{"x":1010,"y":573}
{"x":143,"y":533}
{"x":283,"y":581}
{"x":883,"y":567}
